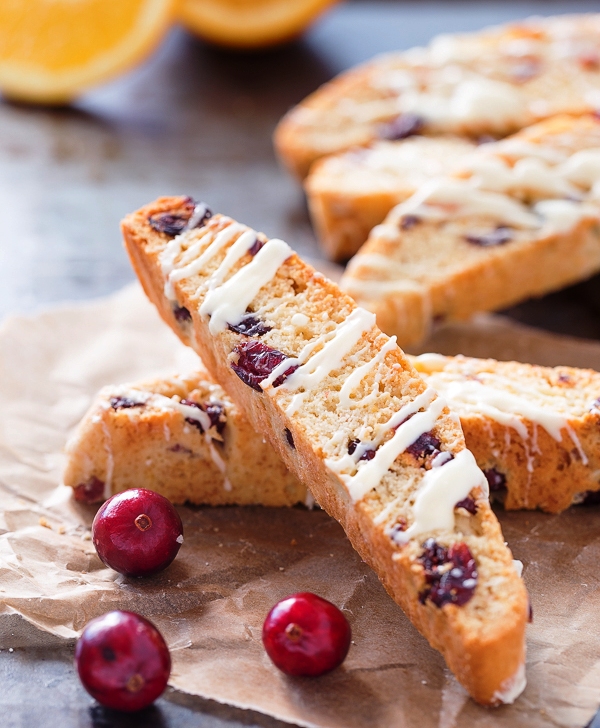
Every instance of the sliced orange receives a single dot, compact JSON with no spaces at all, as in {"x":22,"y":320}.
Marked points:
{"x":51,"y":50}
{"x":249,"y":23}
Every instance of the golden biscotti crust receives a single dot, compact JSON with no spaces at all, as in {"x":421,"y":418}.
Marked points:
{"x":518,"y":219}
{"x":534,"y":430}
{"x":490,"y":82}
{"x":483,"y":640}
{"x":135,"y":436}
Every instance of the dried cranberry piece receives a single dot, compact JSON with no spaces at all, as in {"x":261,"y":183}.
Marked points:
{"x":425,"y":448}
{"x":255,"y":247}
{"x":402,"y":126}
{"x":290,"y":438}
{"x":256,"y":361}
{"x":118,"y":403}
{"x":92,"y":491}
{"x":409,"y":221}
{"x":367,"y":454}
{"x":589,"y":61}
{"x":250,"y":326}
{"x":496,"y":480}
{"x":526,"y":69}
{"x":595,"y":405}
{"x":182,"y":314}
{"x":174,"y":223}
{"x":450,"y":574}
{"x":502,"y":234}
{"x":530,"y":613}
{"x":468,"y":504}
{"x":215,"y":412}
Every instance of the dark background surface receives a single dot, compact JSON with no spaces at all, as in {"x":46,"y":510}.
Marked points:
{"x":193,"y":120}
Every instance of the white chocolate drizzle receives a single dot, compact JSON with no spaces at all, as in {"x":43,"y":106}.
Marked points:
{"x":354,"y":380}
{"x":409,"y":424}
{"x":227,"y":302}
{"x":439,"y":492}
{"x":310,"y":374}
{"x":512,"y":688}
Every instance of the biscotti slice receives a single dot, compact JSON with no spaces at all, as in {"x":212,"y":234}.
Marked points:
{"x":182,"y":437}
{"x":519,"y":219}
{"x":534,"y":431}
{"x":349,"y":193}
{"x":491,"y":82}
{"x":349,"y":415}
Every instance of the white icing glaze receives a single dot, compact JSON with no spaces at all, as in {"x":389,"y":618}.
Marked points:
{"x":445,"y":197}
{"x":511,"y":688}
{"x":356,"y":377}
{"x":299,"y":320}
{"x":311,"y":374}
{"x":439,"y":492}
{"x":368,"y":473}
{"x":518,"y":567}
{"x":227,"y":303}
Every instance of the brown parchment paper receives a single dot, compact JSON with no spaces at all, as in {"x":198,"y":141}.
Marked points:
{"x":236,"y":562}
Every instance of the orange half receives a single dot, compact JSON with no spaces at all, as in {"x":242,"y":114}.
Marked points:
{"x":51,"y":50}
{"x":250,"y":23}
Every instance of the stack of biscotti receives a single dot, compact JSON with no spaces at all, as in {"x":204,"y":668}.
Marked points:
{"x":520,"y":218}
{"x":534,"y":431}
{"x":492,"y":82}
{"x":351,"y":192}
{"x":350,"y":416}
{"x":182,"y":437}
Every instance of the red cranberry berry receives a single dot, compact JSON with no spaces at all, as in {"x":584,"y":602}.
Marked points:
{"x":137,"y":532}
{"x":402,"y":127}
{"x":123,"y":661}
{"x":501,"y":235}
{"x":450,"y":574}
{"x":250,"y":326}
{"x":306,"y":635}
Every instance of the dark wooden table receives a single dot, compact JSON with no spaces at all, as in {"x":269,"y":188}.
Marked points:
{"x":193,"y":120}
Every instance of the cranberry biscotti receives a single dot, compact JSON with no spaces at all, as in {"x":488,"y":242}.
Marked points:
{"x":351,"y":192}
{"x":492,"y":82}
{"x":520,"y":218}
{"x":350,"y":416}
{"x":534,"y":431}
{"x":182,"y":437}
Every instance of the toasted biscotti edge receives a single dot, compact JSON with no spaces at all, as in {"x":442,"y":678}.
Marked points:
{"x":120,"y":444}
{"x":506,"y":642}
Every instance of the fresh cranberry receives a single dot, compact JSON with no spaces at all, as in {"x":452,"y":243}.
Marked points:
{"x":137,"y":532}
{"x":306,"y":635}
{"x":256,"y":361}
{"x":450,"y":574}
{"x":496,"y":480}
{"x":468,"y":504}
{"x":118,"y":403}
{"x":123,"y":661}
{"x":402,"y":126}
{"x":250,"y":326}
{"x":92,"y":491}
{"x":215,"y":412}
{"x":499,"y":236}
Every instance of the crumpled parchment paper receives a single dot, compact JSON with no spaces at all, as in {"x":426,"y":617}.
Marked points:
{"x":236,"y":562}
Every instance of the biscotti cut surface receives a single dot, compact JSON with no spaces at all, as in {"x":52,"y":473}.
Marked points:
{"x":349,"y":193}
{"x":520,"y":218}
{"x":534,"y":431}
{"x":349,"y":415}
{"x":494,"y":81}
{"x":182,"y":437}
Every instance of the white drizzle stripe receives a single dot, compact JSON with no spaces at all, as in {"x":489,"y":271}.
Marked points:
{"x":361,"y":372}
{"x":369,"y":473}
{"x":506,"y":408}
{"x":440,"y":491}
{"x":309,"y":375}
{"x":228,"y":302}
{"x":233,"y":255}
{"x":196,"y":266}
